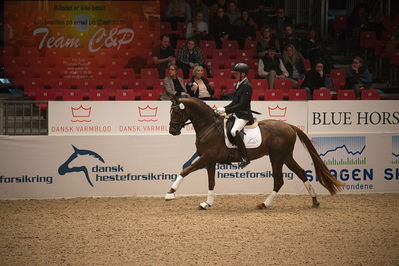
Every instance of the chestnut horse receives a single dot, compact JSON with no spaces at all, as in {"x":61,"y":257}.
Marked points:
{"x":278,"y":140}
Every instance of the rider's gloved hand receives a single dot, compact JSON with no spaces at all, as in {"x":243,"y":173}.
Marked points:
{"x":221,"y":110}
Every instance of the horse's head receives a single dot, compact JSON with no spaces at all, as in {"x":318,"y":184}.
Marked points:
{"x":178,"y":116}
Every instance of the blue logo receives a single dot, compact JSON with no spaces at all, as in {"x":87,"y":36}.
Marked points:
{"x":395,"y":149}
{"x":65,"y":168}
{"x":341,"y":150}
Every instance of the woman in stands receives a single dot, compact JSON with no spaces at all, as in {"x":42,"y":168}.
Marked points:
{"x":358,"y":76}
{"x":199,"y":86}
{"x":245,"y":28}
{"x":293,"y":62}
{"x":316,"y":79}
{"x":267,"y":40}
{"x":198,"y":28}
{"x":173,"y":84}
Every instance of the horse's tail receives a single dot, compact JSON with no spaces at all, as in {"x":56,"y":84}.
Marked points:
{"x":323,"y":174}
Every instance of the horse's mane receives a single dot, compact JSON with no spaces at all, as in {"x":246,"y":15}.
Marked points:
{"x":199,"y":104}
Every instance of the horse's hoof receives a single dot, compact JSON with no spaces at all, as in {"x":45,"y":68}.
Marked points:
{"x":316,"y":205}
{"x":203,"y":206}
{"x":170,"y":196}
{"x":261,"y":206}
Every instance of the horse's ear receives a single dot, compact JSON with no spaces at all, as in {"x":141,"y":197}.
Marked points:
{"x":172,"y":97}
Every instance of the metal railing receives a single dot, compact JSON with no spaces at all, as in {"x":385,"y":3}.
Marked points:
{"x":23,"y":117}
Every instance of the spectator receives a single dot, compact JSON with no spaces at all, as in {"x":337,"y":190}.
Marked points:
{"x":214,"y":8}
{"x":271,"y":67}
{"x":232,"y":12}
{"x":260,"y":15}
{"x":163,"y":55}
{"x":245,"y":28}
{"x":189,"y":56}
{"x":311,"y":46}
{"x":178,"y":11}
{"x":198,"y":6}
{"x":198,"y":28}
{"x":313,"y":49}
{"x":199,"y":86}
{"x":279,"y":22}
{"x":220,"y":27}
{"x":267,"y":40}
{"x":358,"y":76}
{"x":290,"y":38}
{"x":173,"y":84}
{"x":357,"y":21}
{"x":293,"y":62}
{"x":316,"y":79}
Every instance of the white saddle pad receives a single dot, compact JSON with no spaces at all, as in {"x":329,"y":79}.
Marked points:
{"x":252,"y":138}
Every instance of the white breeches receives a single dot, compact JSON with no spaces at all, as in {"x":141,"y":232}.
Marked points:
{"x":238,"y":125}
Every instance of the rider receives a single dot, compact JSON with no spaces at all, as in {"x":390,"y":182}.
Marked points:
{"x":241,"y":108}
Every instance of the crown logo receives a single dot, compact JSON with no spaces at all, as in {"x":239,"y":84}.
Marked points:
{"x":81,"y":112}
{"x":148,"y":112}
{"x":277,"y":111}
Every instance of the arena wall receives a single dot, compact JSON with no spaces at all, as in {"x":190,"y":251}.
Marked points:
{"x":124,"y":149}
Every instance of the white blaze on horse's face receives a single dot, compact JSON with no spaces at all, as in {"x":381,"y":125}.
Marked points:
{"x":181,"y":106}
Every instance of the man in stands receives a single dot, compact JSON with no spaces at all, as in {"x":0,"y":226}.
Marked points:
{"x":163,"y":55}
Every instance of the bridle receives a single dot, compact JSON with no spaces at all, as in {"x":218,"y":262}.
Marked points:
{"x":182,"y":122}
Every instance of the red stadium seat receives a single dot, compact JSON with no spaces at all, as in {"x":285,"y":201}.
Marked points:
{"x":339,"y":23}
{"x":125,"y":95}
{"x":338,"y":73}
{"x":244,"y":55}
{"x":230,"y":85}
{"x":371,"y":94}
{"x":44,"y":95}
{"x":60,"y":84}
{"x":230,"y":44}
{"x":368,"y":39}
{"x":283,"y":84}
{"x":346,"y":95}
{"x":149,"y":73}
{"x":297,"y":95}
{"x":274,"y":95}
{"x":322,"y":94}
{"x":250,"y":45}
{"x":207,"y":45}
{"x":71,"y":95}
{"x":150,"y":95}
{"x":258,"y":95}
{"x":98,"y":95}
{"x":222,"y":73}
{"x":260,"y":84}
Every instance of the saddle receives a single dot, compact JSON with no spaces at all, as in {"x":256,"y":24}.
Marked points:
{"x":251,"y":133}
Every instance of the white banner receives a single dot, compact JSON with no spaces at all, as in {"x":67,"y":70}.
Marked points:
{"x":70,"y":118}
{"x":353,"y":117}
{"x":52,"y":167}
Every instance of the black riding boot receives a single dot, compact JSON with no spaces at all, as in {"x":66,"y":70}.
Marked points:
{"x":241,"y":148}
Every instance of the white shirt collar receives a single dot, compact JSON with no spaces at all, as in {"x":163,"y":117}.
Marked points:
{"x":239,"y":83}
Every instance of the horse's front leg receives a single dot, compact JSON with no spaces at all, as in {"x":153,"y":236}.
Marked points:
{"x":211,"y":185}
{"x":198,"y":164}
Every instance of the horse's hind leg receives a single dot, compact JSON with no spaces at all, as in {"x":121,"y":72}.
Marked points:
{"x":300,"y":172}
{"x":277,"y":167}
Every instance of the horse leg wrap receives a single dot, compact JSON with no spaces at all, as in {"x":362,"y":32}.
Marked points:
{"x":270,"y":198}
{"x":177,"y":182}
{"x":310,"y":189}
{"x":211,"y":197}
